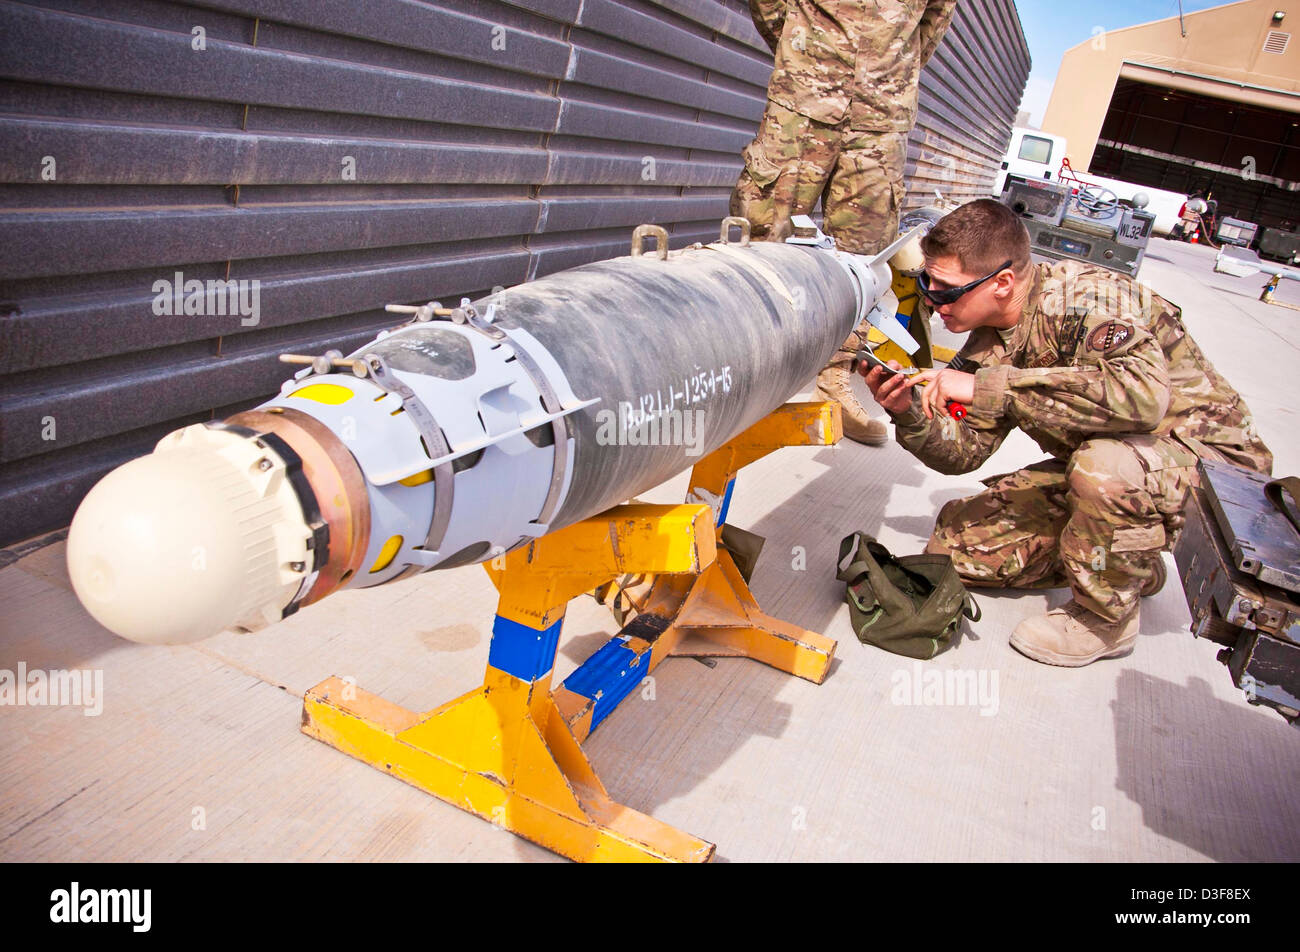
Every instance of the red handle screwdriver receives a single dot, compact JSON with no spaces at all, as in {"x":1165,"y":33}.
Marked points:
{"x":955,"y":410}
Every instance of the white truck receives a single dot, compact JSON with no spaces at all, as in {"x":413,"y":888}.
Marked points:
{"x":1034,"y":154}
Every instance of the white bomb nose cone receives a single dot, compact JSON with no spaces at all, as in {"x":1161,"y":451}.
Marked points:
{"x":205,"y":533}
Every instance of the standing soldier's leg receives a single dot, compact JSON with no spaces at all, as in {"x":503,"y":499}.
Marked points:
{"x":1006,"y":536}
{"x":786,"y":168}
{"x":865,"y":194}
{"x":862,"y":202}
{"x":1125,"y":497}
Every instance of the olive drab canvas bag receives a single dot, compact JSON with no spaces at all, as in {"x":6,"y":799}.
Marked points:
{"x":911,"y":606}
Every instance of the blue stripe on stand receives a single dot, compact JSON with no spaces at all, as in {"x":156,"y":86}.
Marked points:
{"x":527,"y":653}
{"x":612,"y":672}
{"x":726,"y":501}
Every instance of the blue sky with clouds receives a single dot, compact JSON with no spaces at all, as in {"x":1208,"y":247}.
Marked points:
{"x":1053,"y":26}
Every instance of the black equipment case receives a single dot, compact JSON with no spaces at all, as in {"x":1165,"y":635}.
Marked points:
{"x":1239,"y":559}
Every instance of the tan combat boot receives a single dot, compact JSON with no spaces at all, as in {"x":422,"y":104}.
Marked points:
{"x":836,"y":383}
{"x":1072,"y":636}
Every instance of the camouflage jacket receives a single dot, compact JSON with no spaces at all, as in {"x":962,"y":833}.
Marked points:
{"x":1094,"y":354}
{"x":854,"y":59}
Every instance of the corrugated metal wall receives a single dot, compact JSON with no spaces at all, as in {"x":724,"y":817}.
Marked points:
{"x":349,"y":154}
{"x":970,"y":93}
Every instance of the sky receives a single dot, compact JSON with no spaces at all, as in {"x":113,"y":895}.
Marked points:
{"x":1052,"y":27}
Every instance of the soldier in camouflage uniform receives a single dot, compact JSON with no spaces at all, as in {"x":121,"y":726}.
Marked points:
{"x":1101,"y":373}
{"x":841,"y":102}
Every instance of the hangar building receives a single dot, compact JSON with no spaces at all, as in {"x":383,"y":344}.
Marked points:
{"x":1208,"y":103}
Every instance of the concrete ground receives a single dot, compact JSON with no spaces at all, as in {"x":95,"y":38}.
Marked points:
{"x":197,"y":753}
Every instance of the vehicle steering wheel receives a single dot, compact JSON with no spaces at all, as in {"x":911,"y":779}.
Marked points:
{"x":1096,"y":200}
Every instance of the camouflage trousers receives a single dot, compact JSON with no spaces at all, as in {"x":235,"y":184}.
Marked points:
{"x":795,"y":160}
{"x":1095,"y":523}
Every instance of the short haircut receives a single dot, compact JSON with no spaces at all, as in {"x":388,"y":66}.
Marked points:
{"x":981,"y":235}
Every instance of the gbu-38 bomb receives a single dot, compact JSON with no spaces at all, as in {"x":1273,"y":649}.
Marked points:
{"x":466,"y":432}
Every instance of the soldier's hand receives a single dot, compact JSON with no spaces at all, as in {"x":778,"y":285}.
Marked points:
{"x":943,"y":386}
{"x":892,"y":391}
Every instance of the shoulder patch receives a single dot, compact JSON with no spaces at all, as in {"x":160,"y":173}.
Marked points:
{"x":1071,"y":333}
{"x":1106,"y":337}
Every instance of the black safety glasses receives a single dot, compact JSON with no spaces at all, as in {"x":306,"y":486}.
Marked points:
{"x":948,"y":295}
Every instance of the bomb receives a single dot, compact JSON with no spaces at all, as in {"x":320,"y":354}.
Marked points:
{"x":468,"y":431}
